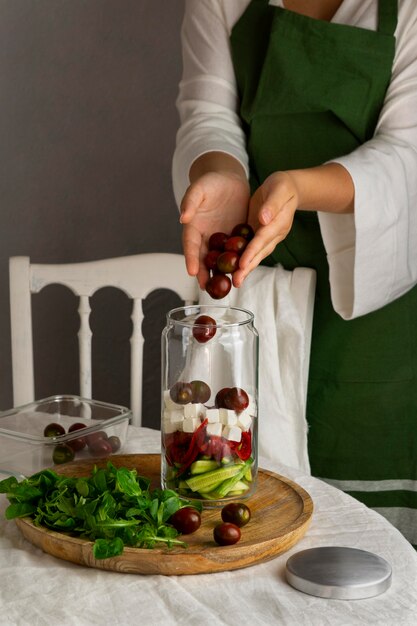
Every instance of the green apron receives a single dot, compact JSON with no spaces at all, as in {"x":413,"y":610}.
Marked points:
{"x":311,"y":91}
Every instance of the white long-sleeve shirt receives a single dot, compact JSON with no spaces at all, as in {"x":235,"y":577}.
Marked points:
{"x":372,"y":253}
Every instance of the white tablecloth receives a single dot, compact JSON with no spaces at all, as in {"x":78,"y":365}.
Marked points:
{"x":39,"y":590}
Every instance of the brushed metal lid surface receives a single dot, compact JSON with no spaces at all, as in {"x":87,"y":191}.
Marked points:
{"x":338,"y":572}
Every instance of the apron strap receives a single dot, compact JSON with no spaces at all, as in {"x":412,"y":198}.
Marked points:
{"x":387,"y":16}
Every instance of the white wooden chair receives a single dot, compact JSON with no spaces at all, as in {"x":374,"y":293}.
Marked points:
{"x":136,"y":275}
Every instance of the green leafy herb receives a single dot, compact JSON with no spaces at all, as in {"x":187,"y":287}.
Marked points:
{"x":114,"y":507}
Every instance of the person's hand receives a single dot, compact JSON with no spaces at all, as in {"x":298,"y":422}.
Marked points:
{"x":271,"y":214}
{"x":214,"y":202}
{"x":328,"y":188}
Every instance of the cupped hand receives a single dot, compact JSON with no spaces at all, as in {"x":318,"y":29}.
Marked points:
{"x":271,"y":214}
{"x":215,"y":202}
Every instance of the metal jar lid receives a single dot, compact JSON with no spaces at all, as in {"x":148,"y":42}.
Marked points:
{"x":339,"y":572}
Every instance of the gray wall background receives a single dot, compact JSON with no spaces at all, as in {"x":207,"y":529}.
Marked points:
{"x":87,"y":131}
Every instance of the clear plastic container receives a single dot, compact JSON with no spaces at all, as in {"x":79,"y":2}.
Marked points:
{"x":24,"y":449}
{"x":210,"y":403}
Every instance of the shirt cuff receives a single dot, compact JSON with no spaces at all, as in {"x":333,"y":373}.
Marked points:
{"x":361,"y":247}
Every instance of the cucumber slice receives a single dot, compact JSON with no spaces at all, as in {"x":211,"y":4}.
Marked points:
{"x":203,"y":465}
{"x":171,"y":473}
{"x":240,"y":486}
{"x":229,"y":483}
{"x":209,"y":480}
{"x":248,"y":475}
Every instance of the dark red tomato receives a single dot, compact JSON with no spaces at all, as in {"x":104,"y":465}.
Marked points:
{"x":204,"y":328}
{"x":228,"y":262}
{"x":218,"y":286}
{"x":226,"y":534}
{"x":243,"y":230}
{"x":186,"y":520}
{"x":53,"y":430}
{"x":217,"y":241}
{"x":219,"y":399}
{"x":93,"y":437}
{"x":181,"y":393}
{"x":115,"y":443}
{"x":62,"y":454}
{"x":100,"y":448}
{"x":236,"y":244}
{"x":210,"y":260}
{"x":201,"y":391}
{"x":236,"y":513}
{"x":79,"y":443}
{"x":236,"y":399}
{"x":76,"y":426}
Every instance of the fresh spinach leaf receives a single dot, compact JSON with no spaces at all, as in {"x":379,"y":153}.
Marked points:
{"x":19,"y":509}
{"x":104,"y":549}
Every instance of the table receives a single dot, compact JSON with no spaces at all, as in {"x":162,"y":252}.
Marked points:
{"x":38,"y":590}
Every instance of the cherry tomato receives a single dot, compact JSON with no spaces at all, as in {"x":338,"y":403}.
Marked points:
{"x":186,"y":520}
{"x":236,"y":513}
{"x":62,"y":454}
{"x":236,"y":244}
{"x":236,"y":399}
{"x":210,"y":260}
{"x":115,"y":443}
{"x":218,"y":286}
{"x":100,"y":448}
{"x":79,"y":443}
{"x":228,"y":262}
{"x":53,"y":430}
{"x":181,"y":393}
{"x":204,"y":328}
{"x":76,"y":426}
{"x":217,"y":241}
{"x":220,"y":395}
{"x":93,"y":437}
{"x":226,"y":534}
{"x":243,"y":230}
{"x":201,"y":391}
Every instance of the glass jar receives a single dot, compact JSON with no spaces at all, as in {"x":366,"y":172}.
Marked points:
{"x":209,"y":403}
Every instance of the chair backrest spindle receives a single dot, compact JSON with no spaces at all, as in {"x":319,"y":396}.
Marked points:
{"x":136,"y":362}
{"x":84,"y":343}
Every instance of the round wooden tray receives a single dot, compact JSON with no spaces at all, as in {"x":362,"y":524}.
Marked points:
{"x":281,"y":513}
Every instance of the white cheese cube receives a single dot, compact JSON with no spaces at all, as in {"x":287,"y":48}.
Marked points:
{"x":214,"y":429}
{"x":172,"y":427}
{"x":194,"y":410}
{"x":244,"y":420}
{"x":212,"y":415}
{"x":232,"y":433}
{"x":169,"y":402}
{"x":174,"y":415}
{"x":190,"y":424}
{"x":228,"y":417}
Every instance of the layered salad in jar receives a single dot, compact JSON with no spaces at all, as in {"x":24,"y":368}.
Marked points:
{"x":208,"y":435}
{"x":208,"y":449}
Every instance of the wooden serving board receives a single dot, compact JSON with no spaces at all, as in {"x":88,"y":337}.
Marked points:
{"x":281,"y":513}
